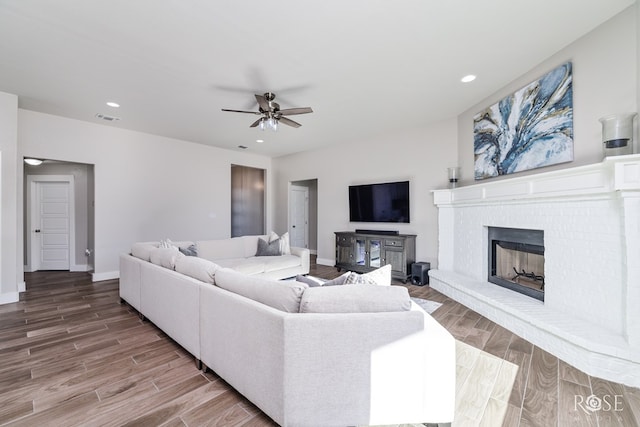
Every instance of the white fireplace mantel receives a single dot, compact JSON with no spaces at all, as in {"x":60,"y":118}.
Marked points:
{"x":590,"y":216}
{"x":620,"y":173}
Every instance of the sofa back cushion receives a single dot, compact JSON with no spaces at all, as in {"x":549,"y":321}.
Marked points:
{"x":143,"y":250}
{"x":198,"y":268}
{"x":280,"y":294}
{"x":165,"y":257}
{"x":220,"y":249}
{"x":355,"y":299}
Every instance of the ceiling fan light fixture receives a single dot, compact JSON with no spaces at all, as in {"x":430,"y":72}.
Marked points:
{"x":268,"y":123}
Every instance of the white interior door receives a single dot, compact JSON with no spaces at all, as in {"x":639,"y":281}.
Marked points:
{"x":299,"y":216}
{"x":51,"y":222}
{"x":52,"y":200}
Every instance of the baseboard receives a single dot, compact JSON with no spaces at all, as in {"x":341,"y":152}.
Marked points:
{"x":72,"y":267}
{"x":22,"y":286}
{"x":107,"y":275}
{"x":79,"y":267}
{"x":326,"y":261}
{"x":9,"y":297}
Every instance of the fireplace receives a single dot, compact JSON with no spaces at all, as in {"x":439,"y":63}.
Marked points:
{"x":589,"y":238}
{"x":516,"y":260}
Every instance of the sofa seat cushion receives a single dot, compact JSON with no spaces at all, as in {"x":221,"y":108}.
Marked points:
{"x":283,"y":295}
{"x":272,"y":263}
{"x":247,"y":266}
{"x":355,"y":299}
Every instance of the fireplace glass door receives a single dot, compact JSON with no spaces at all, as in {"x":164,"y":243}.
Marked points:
{"x":516,"y":260}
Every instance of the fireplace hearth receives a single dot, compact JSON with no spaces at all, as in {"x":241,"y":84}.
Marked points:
{"x":516,"y":260}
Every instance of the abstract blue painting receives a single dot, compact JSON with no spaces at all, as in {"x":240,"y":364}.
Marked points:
{"x":529,"y":129}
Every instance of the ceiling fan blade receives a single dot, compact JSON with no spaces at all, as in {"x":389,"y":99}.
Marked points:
{"x":263,"y":103}
{"x":293,"y":111}
{"x":241,"y":111}
{"x":289,"y":122}
{"x":256,"y":123}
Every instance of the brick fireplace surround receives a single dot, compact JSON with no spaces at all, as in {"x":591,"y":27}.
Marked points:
{"x":590,"y":215}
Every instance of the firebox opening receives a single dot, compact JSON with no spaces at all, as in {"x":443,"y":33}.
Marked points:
{"x":516,"y":260}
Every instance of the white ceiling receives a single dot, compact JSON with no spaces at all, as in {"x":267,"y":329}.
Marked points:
{"x":366,"y":67}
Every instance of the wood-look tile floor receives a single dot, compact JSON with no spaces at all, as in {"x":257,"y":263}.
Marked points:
{"x":71,"y":354}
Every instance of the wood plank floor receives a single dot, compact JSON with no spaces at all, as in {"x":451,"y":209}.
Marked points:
{"x":70,"y":354}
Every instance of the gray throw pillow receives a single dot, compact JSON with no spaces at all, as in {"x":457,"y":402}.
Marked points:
{"x":310,"y":280}
{"x":316,"y":281}
{"x":340,"y":280}
{"x":268,"y":249}
{"x":189,"y":251}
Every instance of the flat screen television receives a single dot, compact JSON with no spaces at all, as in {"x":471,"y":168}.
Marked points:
{"x":384,"y":202}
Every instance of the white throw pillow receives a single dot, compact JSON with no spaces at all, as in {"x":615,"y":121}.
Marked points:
{"x":285,"y":248}
{"x":355,"y":299}
{"x":167,"y":244}
{"x":380,"y":276}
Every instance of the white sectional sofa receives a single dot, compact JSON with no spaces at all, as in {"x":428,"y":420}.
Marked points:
{"x":306,"y":356}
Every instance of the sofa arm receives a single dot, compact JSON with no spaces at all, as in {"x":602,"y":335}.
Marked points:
{"x":368,"y":369}
{"x":305,"y":256}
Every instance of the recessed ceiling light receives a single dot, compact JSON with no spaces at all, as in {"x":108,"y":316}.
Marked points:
{"x":113,"y":104}
{"x":468,"y":78}
{"x":259,"y":141}
{"x":32,"y":162}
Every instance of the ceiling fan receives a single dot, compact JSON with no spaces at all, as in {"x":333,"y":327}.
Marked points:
{"x":271,"y":114}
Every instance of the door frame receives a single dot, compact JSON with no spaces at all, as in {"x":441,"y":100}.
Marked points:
{"x":32,"y":263}
{"x":306,"y":211}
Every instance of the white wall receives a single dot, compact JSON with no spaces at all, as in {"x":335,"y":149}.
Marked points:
{"x":147,"y":187}
{"x":605,"y":79}
{"x":10,"y":281}
{"x":420,"y":155}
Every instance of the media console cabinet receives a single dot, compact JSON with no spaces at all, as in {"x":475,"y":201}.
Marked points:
{"x":365,"y":251}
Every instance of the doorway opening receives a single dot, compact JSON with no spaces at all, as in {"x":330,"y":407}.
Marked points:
{"x":303,"y":214}
{"x":59,"y":216}
{"x":247,"y":201}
